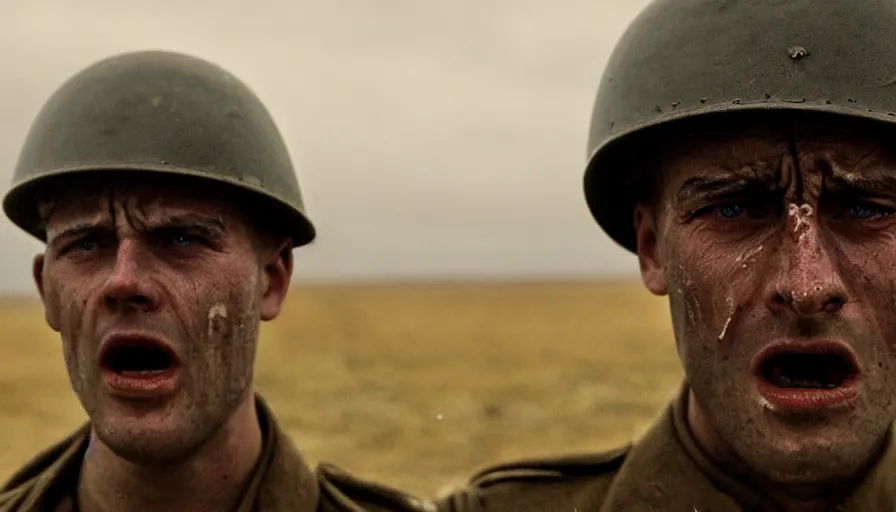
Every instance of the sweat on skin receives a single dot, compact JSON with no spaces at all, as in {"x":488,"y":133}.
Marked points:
{"x":778,"y":234}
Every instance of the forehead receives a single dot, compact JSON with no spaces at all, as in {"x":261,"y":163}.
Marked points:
{"x":145,"y":195}
{"x":763,"y":143}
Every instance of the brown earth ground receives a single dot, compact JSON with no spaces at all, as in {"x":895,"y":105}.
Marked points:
{"x":414,"y":385}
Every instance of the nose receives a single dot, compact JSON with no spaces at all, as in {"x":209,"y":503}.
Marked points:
{"x":808,"y":281}
{"x":128,"y":287}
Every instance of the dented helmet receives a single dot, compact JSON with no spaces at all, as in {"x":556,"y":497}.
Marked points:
{"x":158,"y":112}
{"x":683,"y":59}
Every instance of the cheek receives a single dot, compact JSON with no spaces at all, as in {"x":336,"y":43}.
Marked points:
{"x":66,"y":302}
{"x":223,"y":305}
{"x":709,"y":293}
{"x":867,"y":274}
{"x":229,"y":336}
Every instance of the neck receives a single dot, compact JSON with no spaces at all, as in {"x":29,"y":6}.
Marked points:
{"x":803,"y":498}
{"x":210,"y":480}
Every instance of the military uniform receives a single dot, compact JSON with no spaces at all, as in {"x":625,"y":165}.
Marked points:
{"x":281,"y":481}
{"x":665,"y":469}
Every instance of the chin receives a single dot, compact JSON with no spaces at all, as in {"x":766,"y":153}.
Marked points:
{"x":805,"y":457}
{"x":149,"y":443}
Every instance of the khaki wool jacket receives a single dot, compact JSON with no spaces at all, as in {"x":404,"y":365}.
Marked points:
{"x":281,"y":481}
{"x":665,"y":470}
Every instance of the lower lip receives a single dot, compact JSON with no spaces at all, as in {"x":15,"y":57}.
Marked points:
{"x":802,"y":399}
{"x":141,"y":384}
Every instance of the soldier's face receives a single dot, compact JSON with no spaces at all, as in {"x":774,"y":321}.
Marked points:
{"x":157,"y":296}
{"x":777,"y":249}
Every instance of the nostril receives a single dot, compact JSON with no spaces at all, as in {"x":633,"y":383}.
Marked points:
{"x":833,"y":304}
{"x":780,"y":300}
{"x":132,"y":300}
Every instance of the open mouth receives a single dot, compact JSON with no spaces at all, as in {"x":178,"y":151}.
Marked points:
{"x":137,"y":356}
{"x":822,"y":368}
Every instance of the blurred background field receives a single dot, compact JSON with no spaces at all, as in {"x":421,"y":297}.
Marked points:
{"x":415,"y":385}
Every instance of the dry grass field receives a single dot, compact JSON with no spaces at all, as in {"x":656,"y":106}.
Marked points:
{"x":416,"y":385}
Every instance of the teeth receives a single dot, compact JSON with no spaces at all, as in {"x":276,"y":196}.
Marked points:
{"x":139,"y":373}
{"x":786,"y":382}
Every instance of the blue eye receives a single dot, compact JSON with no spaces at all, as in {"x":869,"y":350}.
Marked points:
{"x":731,"y":211}
{"x":868,"y":211}
{"x":83,"y":246}
{"x":183,"y":240}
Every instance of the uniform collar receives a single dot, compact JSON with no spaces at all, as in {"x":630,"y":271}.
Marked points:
{"x":282,"y":480}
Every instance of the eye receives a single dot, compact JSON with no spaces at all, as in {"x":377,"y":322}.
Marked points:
{"x":865,"y":211}
{"x":180,"y":241}
{"x":183,"y":240}
{"x":84,"y":245}
{"x":731,"y":211}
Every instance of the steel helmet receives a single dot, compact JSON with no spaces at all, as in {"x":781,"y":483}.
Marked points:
{"x":158,"y":112}
{"x":681,"y":59}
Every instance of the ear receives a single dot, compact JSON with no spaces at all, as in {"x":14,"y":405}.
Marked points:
{"x":50,"y":313}
{"x":277,"y":275}
{"x":653,"y":272}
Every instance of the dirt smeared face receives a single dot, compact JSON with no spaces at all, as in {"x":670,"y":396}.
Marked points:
{"x":151,"y":259}
{"x":777,"y":250}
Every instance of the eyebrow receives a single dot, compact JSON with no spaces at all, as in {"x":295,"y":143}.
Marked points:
{"x":714,"y":187}
{"x":206,"y":225}
{"x":77,"y":230}
{"x":871,"y":186}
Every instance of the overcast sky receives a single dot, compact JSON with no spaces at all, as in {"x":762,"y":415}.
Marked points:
{"x":432,"y":138}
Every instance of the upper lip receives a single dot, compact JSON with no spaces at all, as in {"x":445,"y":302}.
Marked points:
{"x":119,"y":339}
{"x":832,"y":347}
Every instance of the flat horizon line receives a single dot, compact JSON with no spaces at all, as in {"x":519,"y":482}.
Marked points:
{"x":441,"y":282}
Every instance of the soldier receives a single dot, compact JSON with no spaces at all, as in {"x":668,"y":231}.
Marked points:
{"x":169,"y":208}
{"x":742,"y":149}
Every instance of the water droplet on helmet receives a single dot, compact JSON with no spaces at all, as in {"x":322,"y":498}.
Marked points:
{"x":797,"y":52}
{"x":658,"y":109}
{"x":768,"y":96}
{"x":737,"y":101}
{"x":675,"y":104}
{"x":703,"y":99}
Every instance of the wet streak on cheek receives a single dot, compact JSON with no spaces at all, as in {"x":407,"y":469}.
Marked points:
{"x":709,"y":295}
{"x":225,"y":339}
{"x":219,"y":326}
{"x":747,"y":269}
{"x":684,"y":303}
{"x":749,"y":256}
{"x":229,"y":349}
